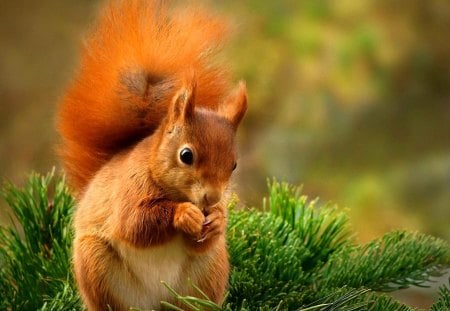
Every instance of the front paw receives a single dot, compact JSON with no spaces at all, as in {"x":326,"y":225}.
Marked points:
{"x":189,"y":219}
{"x":214,"y":225}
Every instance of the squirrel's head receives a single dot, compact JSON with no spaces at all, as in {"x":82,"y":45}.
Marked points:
{"x":196,"y":151}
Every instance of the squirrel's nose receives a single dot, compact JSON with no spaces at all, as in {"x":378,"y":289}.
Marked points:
{"x":212,"y":197}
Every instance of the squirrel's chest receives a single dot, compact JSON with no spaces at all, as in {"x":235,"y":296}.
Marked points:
{"x":144,"y":269}
{"x":163,"y":263}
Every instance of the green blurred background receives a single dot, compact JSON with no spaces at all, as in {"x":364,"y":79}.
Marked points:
{"x":350,"y":98}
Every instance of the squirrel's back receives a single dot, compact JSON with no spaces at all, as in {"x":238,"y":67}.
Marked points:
{"x":133,"y":61}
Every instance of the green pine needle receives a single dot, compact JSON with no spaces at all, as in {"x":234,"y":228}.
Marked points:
{"x":443,"y":303}
{"x":36,"y":257}
{"x":294,"y":254}
{"x":397,"y":260}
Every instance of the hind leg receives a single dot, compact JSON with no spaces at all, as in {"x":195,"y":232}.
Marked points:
{"x":93,"y":258}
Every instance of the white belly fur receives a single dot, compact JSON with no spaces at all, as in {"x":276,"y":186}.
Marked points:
{"x":137,"y":282}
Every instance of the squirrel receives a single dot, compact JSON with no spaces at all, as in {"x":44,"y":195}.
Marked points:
{"x":147,"y":132}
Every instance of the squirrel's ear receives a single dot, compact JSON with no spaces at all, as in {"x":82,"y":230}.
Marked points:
{"x":235,"y":106}
{"x":183,"y":103}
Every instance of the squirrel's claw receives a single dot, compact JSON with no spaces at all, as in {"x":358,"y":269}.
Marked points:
{"x":203,"y":239}
{"x":213,"y":225}
{"x":207,"y":222}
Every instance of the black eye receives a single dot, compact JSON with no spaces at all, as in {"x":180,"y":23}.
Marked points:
{"x":234,"y":166}
{"x":187,"y":156}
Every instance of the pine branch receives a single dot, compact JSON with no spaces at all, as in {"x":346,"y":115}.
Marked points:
{"x":397,"y":260}
{"x":339,"y":301}
{"x":277,"y":255}
{"x":36,"y":256}
{"x":66,"y":299}
{"x":295,"y":255}
{"x":385,"y":303}
{"x":266,"y":257}
{"x":443,"y":302}
{"x":322,"y":229}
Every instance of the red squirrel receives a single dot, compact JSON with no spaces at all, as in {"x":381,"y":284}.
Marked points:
{"x":148,"y":144}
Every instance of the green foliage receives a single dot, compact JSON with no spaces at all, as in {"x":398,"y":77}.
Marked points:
{"x":36,"y":257}
{"x":443,"y":302}
{"x":292,"y":255}
{"x":321,"y":230}
{"x":397,"y":260}
{"x":296,"y":255}
{"x":288,"y":245}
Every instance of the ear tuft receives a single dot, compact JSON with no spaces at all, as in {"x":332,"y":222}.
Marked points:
{"x":235,"y":106}
{"x":183,"y":103}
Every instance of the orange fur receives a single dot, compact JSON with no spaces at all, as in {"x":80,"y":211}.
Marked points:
{"x":146,"y":91}
{"x":151,"y":47}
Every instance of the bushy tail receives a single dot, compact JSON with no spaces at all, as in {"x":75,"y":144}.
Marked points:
{"x":132,"y":63}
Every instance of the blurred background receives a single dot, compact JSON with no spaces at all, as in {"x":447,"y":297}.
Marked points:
{"x":349,"y":98}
